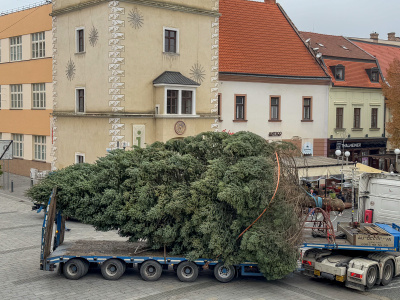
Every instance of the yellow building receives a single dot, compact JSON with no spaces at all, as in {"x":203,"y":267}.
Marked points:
{"x":356,"y":122}
{"x":26,"y":86}
{"x":131,"y":73}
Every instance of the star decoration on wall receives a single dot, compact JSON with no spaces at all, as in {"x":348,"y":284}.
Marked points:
{"x":197,"y":73}
{"x":135,"y":18}
{"x":70,"y":71}
{"x":93,"y":36}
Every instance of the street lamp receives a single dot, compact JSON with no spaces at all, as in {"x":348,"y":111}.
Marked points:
{"x":347,"y":154}
{"x":397,"y":152}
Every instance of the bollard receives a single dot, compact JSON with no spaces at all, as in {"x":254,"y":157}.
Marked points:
{"x":31,"y":182}
{"x":12,"y":186}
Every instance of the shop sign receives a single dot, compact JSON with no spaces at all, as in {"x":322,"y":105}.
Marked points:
{"x":358,"y":145}
{"x":275,"y":134}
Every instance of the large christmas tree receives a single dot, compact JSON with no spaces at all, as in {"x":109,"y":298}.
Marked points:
{"x":195,"y":196}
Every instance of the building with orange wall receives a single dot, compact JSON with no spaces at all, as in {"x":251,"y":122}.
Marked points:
{"x":26,"y":86}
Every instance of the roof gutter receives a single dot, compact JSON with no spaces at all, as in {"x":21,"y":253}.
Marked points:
{"x":328,"y":78}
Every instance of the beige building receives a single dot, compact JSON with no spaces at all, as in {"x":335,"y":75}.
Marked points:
{"x":131,"y":73}
{"x":25,"y":86}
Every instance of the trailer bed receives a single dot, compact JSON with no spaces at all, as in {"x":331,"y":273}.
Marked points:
{"x":104,"y":248}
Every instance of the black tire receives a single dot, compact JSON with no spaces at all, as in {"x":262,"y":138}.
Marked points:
{"x":73,"y":269}
{"x":112,"y":269}
{"x":224,"y":273}
{"x":387,"y":273}
{"x":372,"y":276}
{"x":187,"y":271}
{"x":150,"y":270}
{"x":86,"y":267}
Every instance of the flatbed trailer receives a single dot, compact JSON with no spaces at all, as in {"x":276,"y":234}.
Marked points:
{"x":74,"y":258}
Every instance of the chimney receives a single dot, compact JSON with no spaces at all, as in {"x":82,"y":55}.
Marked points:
{"x":392,"y":36}
{"x":374,"y":36}
{"x":270,"y":1}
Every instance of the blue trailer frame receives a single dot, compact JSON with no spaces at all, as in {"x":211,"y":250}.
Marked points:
{"x":393,"y":230}
{"x":48,"y":263}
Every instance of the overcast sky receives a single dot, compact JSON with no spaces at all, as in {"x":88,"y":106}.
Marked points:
{"x":354,"y":18}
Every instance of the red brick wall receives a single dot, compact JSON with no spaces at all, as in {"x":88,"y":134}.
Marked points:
{"x":23,"y":167}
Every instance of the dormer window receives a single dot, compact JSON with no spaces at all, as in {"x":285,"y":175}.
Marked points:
{"x":373,"y":74}
{"x":338,"y":72}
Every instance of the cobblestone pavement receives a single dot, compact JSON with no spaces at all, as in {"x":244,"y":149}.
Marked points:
{"x":20,"y":277}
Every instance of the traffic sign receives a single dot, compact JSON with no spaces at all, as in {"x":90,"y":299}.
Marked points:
{"x":6,"y":149}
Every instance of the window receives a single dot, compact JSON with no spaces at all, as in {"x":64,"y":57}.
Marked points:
{"x":180,"y":101}
{"x":338,"y":72}
{"x":79,"y":158}
{"x":39,"y":144}
{"x":307,"y":108}
{"x":18,"y":147}
{"x":80,"y":100}
{"x":16,"y":48}
{"x":80,"y":40}
{"x":357,"y":117}
{"x":339,"y":117}
{"x":373,"y":74}
{"x":187,"y":97}
{"x":38,"y":45}
{"x":171,"y":40}
{"x":374,"y":118}
{"x":240,"y":107}
{"x":16,"y":95}
{"x":275,"y":108}
{"x":39,"y":95}
{"x":219,"y":107}
{"x":172,"y":101}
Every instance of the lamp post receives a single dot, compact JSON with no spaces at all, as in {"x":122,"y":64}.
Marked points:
{"x":338,"y":154}
{"x":397,"y":152}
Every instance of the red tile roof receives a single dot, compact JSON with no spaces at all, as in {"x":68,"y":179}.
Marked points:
{"x":383,"y":52}
{"x":256,"y":38}
{"x":355,"y":73}
{"x":332,"y":45}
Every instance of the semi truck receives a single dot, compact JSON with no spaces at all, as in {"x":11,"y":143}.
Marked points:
{"x":369,"y":255}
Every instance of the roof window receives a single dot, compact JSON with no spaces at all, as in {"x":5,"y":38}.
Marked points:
{"x":344,"y":47}
{"x":373,"y":74}
{"x":338,"y":72}
{"x":321,"y":45}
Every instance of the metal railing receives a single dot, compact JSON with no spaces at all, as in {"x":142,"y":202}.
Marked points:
{"x":25,"y":7}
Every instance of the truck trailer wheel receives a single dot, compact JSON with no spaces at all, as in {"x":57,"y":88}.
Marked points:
{"x":150,"y":270}
{"x":187,"y":271}
{"x":112,"y":269}
{"x":224,"y":273}
{"x":74,"y":269}
{"x":372,"y":276}
{"x":387,"y":274}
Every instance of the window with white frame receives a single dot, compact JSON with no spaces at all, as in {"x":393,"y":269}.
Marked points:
{"x":18,"y":147}
{"x":39,"y":95}
{"x":79,"y":158}
{"x":16,"y":95}
{"x":181,"y":101}
{"x":171,"y":40}
{"x":38,"y":44}
{"x":80,"y":100}
{"x":39,"y":145}
{"x":16,"y":48}
{"x":80,"y":40}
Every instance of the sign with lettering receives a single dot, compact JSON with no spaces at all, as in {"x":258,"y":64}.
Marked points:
{"x":275,"y":133}
{"x":374,"y":240}
{"x":307,"y":148}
